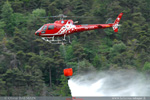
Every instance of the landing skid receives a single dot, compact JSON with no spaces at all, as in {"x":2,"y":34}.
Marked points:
{"x":57,"y":40}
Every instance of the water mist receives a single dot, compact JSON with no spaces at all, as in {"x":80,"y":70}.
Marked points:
{"x":110,"y":83}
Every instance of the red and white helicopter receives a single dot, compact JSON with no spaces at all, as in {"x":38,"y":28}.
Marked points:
{"x":61,"y":28}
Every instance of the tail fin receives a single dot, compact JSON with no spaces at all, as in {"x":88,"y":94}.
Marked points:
{"x":116,"y":23}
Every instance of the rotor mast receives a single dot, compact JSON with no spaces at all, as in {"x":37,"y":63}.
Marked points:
{"x":62,"y":16}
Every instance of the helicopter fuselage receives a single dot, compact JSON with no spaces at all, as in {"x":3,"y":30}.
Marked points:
{"x":66,"y":27}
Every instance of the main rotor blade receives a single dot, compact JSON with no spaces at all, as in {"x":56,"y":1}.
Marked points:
{"x":69,"y":17}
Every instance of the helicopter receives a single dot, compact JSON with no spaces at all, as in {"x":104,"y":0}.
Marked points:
{"x":52,"y":32}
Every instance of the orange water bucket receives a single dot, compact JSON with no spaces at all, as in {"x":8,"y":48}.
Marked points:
{"x":68,"y":72}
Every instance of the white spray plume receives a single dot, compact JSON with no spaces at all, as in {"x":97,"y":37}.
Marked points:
{"x":110,"y":83}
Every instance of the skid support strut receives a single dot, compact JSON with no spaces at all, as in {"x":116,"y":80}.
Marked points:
{"x":57,"y":40}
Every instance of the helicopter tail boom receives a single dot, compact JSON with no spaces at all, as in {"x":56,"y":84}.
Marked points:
{"x":116,"y":23}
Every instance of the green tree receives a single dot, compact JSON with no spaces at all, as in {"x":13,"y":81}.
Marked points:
{"x":39,"y":12}
{"x":2,"y":32}
{"x":17,"y":6}
{"x":146,"y":67}
{"x":2,"y":88}
{"x":59,"y":66}
{"x":7,"y":13}
{"x":53,"y":10}
{"x":79,"y":8}
{"x":117,"y":48}
{"x":85,"y":66}
{"x":78,"y":52}
{"x":63,"y":87}
{"x":14,"y":78}
{"x":49,"y":63}
{"x":97,"y":62}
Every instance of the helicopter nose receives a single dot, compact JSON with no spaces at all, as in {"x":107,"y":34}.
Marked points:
{"x":37,"y":33}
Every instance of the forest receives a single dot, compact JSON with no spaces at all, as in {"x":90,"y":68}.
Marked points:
{"x":30,"y":66}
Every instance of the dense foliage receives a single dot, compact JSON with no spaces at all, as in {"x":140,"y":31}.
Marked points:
{"x":30,"y":66}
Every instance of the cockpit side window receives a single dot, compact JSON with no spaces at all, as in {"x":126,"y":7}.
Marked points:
{"x":50,"y":27}
{"x":45,"y":27}
{"x":40,"y":28}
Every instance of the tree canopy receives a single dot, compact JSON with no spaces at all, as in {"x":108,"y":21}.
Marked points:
{"x":30,"y":66}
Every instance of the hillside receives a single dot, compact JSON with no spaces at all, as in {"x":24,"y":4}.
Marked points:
{"x":30,"y":66}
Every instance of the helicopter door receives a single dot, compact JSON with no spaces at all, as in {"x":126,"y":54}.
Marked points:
{"x":51,"y":29}
{"x":44,"y":29}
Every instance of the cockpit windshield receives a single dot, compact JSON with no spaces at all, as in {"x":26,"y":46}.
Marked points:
{"x":40,"y":28}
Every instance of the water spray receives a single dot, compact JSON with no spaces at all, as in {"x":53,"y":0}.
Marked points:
{"x":110,"y":83}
